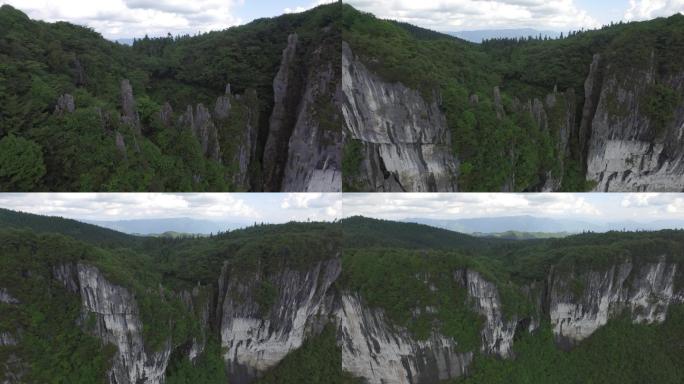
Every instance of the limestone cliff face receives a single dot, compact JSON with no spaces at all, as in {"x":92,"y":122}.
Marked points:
{"x":627,"y":150}
{"x":256,"y":337}
{"x":117,"y":321}
{"x":644,"y":291}
{"x":406,"y":143}
{"x":128,"y":106}
{"x":555,"y":115}
{"x":303,"y":147}
{"x":314,"y":150}
{"x":497,"y":332}
{"x":381,"y":353}
{"x":201,"y":123}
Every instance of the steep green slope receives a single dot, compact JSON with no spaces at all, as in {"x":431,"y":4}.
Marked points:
{"x":420,"y":287}
{"x":50,"y":224}
{"x":514,"y":107}
{"x":171,"y":283}
{"x":64,"y":98}
{"x":620,"y":352}
{"x":361,"y":232}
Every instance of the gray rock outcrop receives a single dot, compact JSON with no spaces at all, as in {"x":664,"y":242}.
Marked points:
{"x":65,"y":104}
{"x":627,"y":151}
{"x":128,"y":106}
{"x":645,"y":291}
{"x":406,"y":143}
{"x":117,"y":321}
{"x":285,"y":89}
{"x":256,"y":338}
{"x":380,"y":352}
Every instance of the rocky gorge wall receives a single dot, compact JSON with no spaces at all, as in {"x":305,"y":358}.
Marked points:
{"x":257,"y":333}
{"x":620,"y":145}
{"x":627,"y":150}
{"x":303,"y":147}
{"x":405,"y":142}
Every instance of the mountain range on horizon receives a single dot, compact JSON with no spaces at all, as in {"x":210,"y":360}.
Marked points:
{"x":479,"y":35}
{"x":177,"y":224}
{"x":536,"y":224}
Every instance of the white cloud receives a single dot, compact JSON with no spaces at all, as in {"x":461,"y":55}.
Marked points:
{"x":454,"y":15}
{"x":104,"y":206}
{"x":459,"y":205}
{"x":320,"y":206}
{"x":306,"y":8}
{"x":649,"y":9}
{"x":129,"y":18}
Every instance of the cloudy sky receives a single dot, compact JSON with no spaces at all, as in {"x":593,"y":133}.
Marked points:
{"x":261,"y":207}
{"x":282,"y":207}
{"x":116,"y":19}
{"x":455,"y":15}
{"x":593,"y":207}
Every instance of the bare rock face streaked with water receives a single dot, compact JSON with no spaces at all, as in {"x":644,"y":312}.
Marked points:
{"x":117,"y":321}
{"x":644,"y":291}
{"x":627,"y":150}
{"x":304,"y":142}
{"x":405,"y":140}
{"x":380,"y":352}
{"x":256,"y":338}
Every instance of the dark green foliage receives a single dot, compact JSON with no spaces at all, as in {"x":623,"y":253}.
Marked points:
{"x":407,"y":283}
{"x":266,"y":296}
{"x":155,"y":270}
{"x":209,"y":368}
{"x":40,"y":61}
{"x":620,"y":353}
{"x":366,"y":232}
{"x":499,"y":144}
{"x":351,"y":164}
{"x":660,"y":106}
{"x":21,"y":163}
{"x":45,"y":320}
{"x":93,"y":234}
{"x":318,"y":361}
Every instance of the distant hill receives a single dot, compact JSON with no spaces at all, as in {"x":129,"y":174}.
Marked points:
{"x":532,"y":224}
{"x":477,"y":36}
{"x":72,"y":228}
{"x":181,"y":225}
{"x":517,"y":235}
{"x":362,"y":231}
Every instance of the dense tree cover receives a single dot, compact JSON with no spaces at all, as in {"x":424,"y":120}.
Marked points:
{"x":155,"y":270}
{"x":58,"y":351}
{"x":21,"y":163}
{"x":93,"y":234}
{"x":362,"y":232}
{"x":620,"y":352}
{"x":79,"y":151}
{"x":499,"y":143}
{"x":417,"y":290}
{"x":406,"y":269}
{"x":209,"y":368}
{"x":406,"y":278}
{"x":318,"y":361}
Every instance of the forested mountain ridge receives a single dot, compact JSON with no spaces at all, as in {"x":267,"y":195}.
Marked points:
{"x":168,"y":310}
{"x":599,"y":109}
{"x":221,"y":111}
{"x":299,"y":302}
